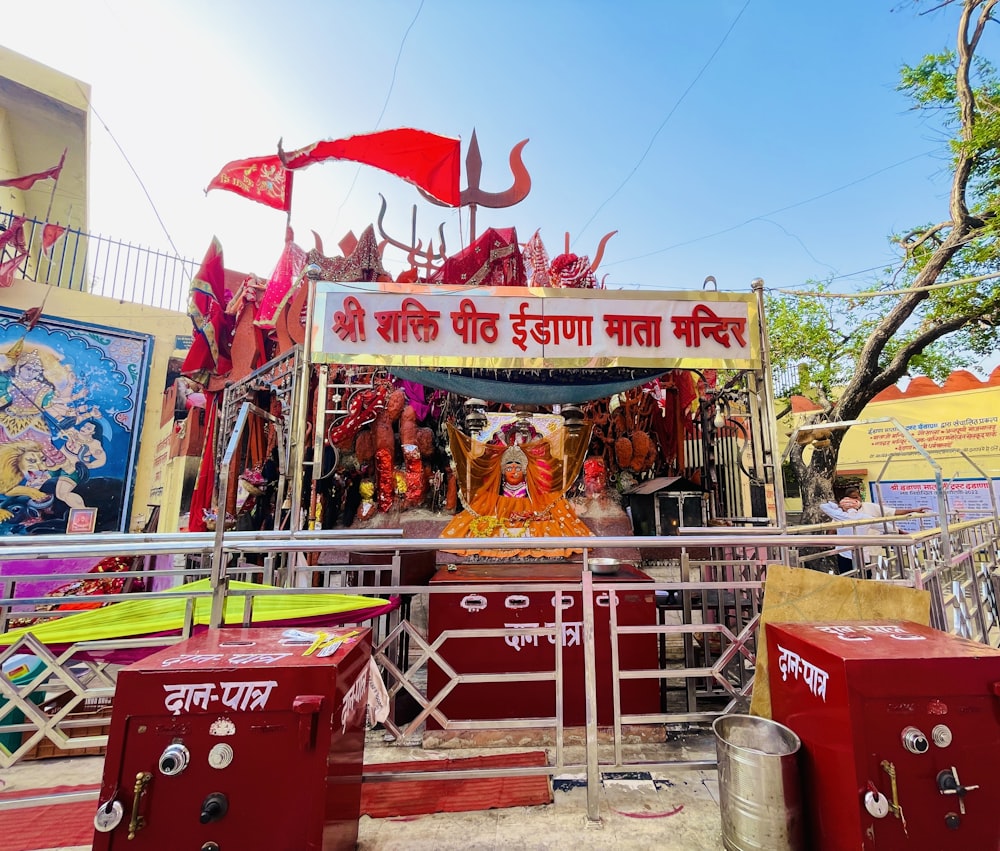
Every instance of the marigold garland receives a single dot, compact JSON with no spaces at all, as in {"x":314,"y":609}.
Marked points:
{"x":484,"y":526}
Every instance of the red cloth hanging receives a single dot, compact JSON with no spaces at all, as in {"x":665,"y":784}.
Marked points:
{"x":201,"y":498}
{"x":493,"y":260}
{"x":213,"y":327}
{"x":286,"y":273}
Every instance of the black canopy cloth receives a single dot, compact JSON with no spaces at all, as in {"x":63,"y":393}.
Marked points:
{"x":534,"y":386}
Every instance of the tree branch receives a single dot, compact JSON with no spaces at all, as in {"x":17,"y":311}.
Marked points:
{"x":896,"y":368}
{"x":868,"y":379}
{"x":964,"y":240}
{"x":854,"y":400}
{"x":967,"y":103}
{"x":914,"y":239}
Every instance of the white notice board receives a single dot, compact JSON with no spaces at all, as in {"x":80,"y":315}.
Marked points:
{"x":969,"y":498}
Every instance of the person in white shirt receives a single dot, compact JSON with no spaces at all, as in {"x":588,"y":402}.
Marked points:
{"x":853,"y":507}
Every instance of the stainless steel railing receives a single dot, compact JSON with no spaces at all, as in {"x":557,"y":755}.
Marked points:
{"x":704,"y":614}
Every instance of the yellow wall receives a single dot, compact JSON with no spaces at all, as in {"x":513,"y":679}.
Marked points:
{"x":43,"y":79}
{"x":946,"y":425}
{"x":179,"y":475}
{"x":164,"y":325}
{"x":42,"y":112}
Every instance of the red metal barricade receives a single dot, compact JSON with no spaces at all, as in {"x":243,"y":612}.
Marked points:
{"x":514,"y":654}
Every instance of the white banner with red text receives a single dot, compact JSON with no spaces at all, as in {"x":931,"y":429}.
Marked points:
{"x":525,"y":328}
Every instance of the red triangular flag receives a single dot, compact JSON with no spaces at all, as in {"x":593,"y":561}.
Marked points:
{"x":261,"y":179}
{"x":30,"y":317}
{"x":29,"y":180}
{"x":424,"y":159}
{"x":50,"y":236}
{"x":8,"y":268}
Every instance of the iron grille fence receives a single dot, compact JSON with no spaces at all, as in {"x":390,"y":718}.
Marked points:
{"x":788,"y":380}
{"x":103,"y":266}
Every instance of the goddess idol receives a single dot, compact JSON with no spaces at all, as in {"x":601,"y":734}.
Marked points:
{"x":513,"y":477}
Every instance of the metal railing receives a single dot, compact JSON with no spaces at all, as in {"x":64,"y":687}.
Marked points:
{"x":788,"y":380}
{"x":104,"y":266}
{"x":702,"y":610}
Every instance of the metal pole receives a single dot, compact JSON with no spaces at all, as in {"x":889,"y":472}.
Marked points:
{"x":590,"y":684}
{"x":942,"y":498}
{"x":768,"y":423}
{"x":616,"y":687}
{"x":560,"y":682}
{"x":319,"y":444}
{"x":301,"y":415}
{"x":219,"y":579}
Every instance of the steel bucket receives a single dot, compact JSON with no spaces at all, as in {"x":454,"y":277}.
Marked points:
{"x":759,"y":788}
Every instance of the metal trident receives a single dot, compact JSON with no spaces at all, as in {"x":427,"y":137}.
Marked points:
{"x":473,"y":197}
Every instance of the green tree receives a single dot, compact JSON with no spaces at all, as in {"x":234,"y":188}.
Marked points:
{"x":940,"y":305}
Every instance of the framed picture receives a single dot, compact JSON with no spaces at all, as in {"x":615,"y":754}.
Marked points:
{"x":82,"y":521}
{"x":72,"y":397}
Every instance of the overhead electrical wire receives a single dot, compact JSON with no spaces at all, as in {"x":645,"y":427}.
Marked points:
{"x":774,"y":212}
{"x":142,"y":185}
{"x":385,"y":103}
{"x":663,"y":123}
{"x":880,"y":293}
{"x":395,"y":65}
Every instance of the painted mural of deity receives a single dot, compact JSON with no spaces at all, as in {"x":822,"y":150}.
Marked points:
{"x":69,"y":413}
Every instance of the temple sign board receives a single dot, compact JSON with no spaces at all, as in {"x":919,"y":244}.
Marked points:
{"x":515,"y":327}
{"x":513,"y":477}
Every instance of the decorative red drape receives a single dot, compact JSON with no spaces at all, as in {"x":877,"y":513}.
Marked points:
{"x":213,"y":327}
{"x":201,"y":498}
{"x":493,"y":260}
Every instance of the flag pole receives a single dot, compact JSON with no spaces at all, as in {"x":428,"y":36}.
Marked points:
{"x":55,"y":183}
{"x":48,"y":212}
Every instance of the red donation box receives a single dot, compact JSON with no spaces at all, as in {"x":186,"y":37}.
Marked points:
{"x":235,"y":740}
{"x":900,"y":730}
{"x":532,"y":653}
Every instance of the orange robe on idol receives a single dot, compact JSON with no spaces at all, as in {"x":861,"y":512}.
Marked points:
{"x":543,"y":513}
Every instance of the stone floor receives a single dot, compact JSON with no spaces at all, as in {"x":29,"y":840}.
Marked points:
{"x":637,"y":811}
{"x":669,"y":811}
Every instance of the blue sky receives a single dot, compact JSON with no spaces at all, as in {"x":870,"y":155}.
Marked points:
{"x":723,"y":137}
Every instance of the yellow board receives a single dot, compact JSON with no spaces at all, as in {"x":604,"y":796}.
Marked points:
{"x":798,"y":595}
{"x":941,"y":423}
